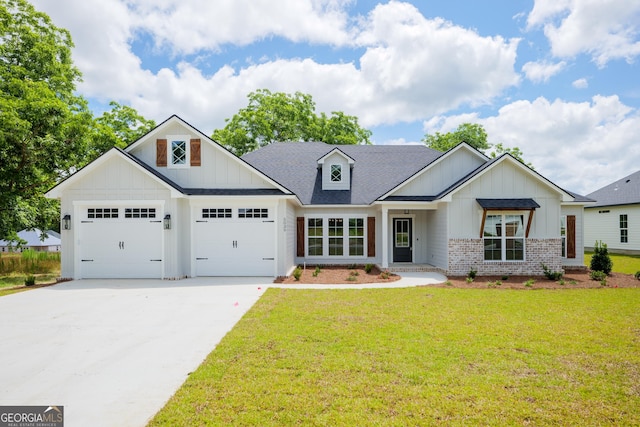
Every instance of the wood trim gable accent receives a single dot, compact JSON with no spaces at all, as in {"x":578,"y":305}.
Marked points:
{"x":300,"y":236}
{"x":195,"y":152}
{"x":571,"y":236}
{"x":161,"y":152}
{"x":371,"y":236}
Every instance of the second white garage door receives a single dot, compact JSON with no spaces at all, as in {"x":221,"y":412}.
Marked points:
{"x":234,"y":242}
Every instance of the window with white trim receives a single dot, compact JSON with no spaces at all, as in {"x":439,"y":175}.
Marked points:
{"x":315,"y":236}
{"x":336,"y":173}
{"x":503,"y":237}
{"x":336,"y":236}
{"x":178,"y":151}
{"x":624,"y":228}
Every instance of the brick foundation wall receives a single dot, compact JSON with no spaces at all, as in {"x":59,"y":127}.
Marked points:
{"x":468,"y":254}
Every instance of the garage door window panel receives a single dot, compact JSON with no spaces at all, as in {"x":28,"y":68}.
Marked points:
{"x":216,"y":213}
{"x":101,"y":213}
{"x":253,"y":213}
{"x":139,"y":213}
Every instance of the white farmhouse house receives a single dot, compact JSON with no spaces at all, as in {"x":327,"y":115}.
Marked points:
{"x":176,"y":204}
{"x":614,"y":218}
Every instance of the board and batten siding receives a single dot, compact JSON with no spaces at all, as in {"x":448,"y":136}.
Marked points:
{"x":603,"y":223}
{"x":217,"y":169}
{"x":441,"y":175}
{"x":438,"y":232}
{"x":504,"y":181}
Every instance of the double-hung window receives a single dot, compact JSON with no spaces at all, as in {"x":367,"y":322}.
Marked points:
{"x":336,"y":236}
{"x":624,"y":228}
{"x":503,"y":237}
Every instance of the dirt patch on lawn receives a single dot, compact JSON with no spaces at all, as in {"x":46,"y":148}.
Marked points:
{"x":357,"y":275}
{"x":339,"y":275}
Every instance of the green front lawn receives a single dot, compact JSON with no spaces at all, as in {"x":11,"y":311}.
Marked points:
{"x":626,"y":264}
{"x":422,"y":356}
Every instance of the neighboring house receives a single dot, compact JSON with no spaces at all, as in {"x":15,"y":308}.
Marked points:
{"x":175,"y":204}
{"x":34,"y":241}
{"x":615,"y":217}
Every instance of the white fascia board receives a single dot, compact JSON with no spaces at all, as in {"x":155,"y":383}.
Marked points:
{"x":340,"y":152}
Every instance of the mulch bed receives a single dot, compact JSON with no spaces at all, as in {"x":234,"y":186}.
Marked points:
{"x":571,"y":280}
{"x":338,"y":275}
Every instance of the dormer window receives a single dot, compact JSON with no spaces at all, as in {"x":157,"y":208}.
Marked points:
{"x":336,"y":173}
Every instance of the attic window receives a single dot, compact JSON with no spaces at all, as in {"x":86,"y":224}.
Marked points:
{"x":178,"y":152}
{"x":336,"y":173}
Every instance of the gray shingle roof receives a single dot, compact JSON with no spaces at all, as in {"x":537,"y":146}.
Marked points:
{"x":514,"y":204}
{"x":377,"y":169}
{"x":624,"y":191}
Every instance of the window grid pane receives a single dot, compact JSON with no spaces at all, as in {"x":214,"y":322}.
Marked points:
{"x":315,"y":240}
{"x":178,"y":152}
{"x":336,"y":173}
{"x":98,"y":213}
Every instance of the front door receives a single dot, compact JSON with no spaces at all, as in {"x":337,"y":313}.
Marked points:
{"x":402,"y":240}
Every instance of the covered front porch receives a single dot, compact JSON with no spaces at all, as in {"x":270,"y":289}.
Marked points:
{"x":414,"y":236}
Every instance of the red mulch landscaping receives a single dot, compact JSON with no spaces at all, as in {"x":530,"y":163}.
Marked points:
{"x":571,"y":280}
{"x":339,"y":275}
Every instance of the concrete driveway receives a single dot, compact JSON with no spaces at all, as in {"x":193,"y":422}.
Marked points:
{"x":112,"y":352}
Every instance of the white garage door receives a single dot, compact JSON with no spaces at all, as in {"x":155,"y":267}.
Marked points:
{"x":120,"y":242}
{"x":234,"y":242}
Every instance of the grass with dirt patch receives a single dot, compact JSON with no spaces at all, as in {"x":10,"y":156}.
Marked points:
{"x":422,"y":356}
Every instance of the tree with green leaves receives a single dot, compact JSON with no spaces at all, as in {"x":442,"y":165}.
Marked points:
{"x":474,"y":135}
{"x":471,"y":133}
{"x":280,"y":117}
{"x":43,"y":122}
{"x":118,"y":127}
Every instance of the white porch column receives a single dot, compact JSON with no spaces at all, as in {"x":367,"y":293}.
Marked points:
{"x":385,"y":237}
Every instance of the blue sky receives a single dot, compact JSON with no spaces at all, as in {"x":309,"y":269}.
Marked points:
{"x":557,"y":78}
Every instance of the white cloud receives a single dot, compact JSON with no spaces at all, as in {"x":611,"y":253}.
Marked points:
{"x":188,"y":26}
{"x":539,"y":72}
{"x":606,"y":30}
{"x":580,"y":83}
{"x":580,"y":146}
{"x":410,"y":68}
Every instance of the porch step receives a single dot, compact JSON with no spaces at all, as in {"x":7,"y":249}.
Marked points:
{"x":413,"y":268}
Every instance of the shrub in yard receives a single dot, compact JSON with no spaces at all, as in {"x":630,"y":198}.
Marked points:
{"x":30,"y":280}
{"x":529,"y":283}
{"x":385,"y":275}
{"x":472,"y":274}
{"x":368,"y":268}
{"x":637,"y":275}
{"x":297,"y":273}
{"x":551,"y":275}
{"x":601,"y":261}
{"x":317,"y":271}
{"x":598,"y":275}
